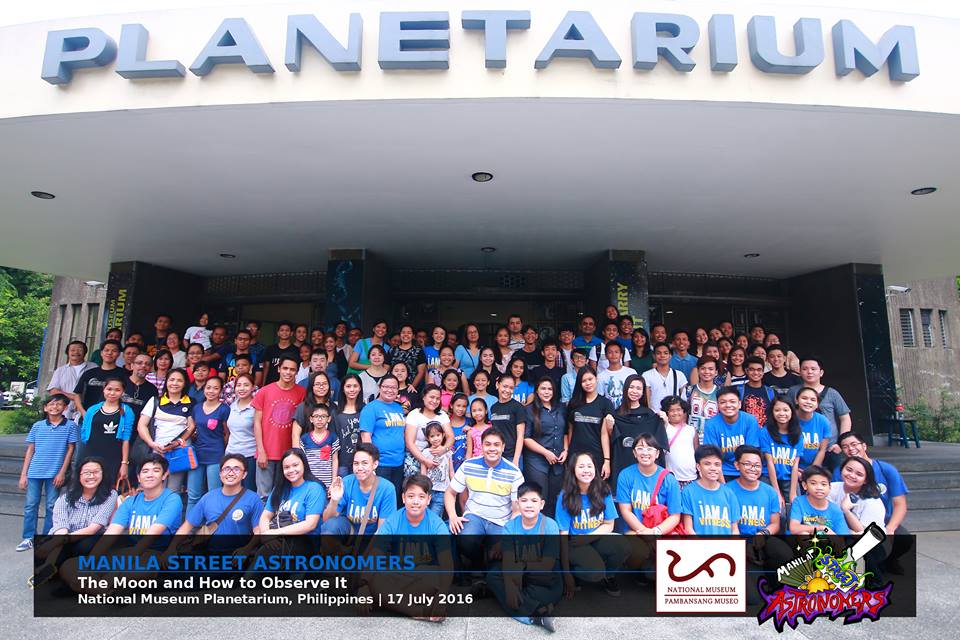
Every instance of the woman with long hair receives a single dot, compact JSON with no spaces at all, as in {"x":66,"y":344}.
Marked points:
{"x":318,"y":393}
{"x":781,"y":442}
{"x":173,"y":346}
{"x":240,"y":425}
{"x":162,"y":364}
{"x":335,"y":357}
{"x":295,"y":505}
{"x":736,"y":374}
{"x":346,"y":421}
{"x":431,"y":351}
{"x":468,"y":352}
{"x":858,"y":495}
{"x":545,"y":441}
{"x":409,"y":397}
{"x":415,"y":436}
{"x":641,"y":353}
{"x":502,"y":349}
{"x":522,"y":390}
{"x":632,"y":418}
{"x":590,"y":421}
{"x":584,"y":511}
{"x":480,"y":383}
{"x":488,"y":363}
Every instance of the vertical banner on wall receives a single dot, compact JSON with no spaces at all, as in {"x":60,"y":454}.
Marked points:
{"x":120,"y":297}
{"x":628,"y":286}
{"x":344,"y":292}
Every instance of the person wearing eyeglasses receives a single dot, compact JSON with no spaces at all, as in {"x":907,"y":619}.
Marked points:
{"x":241,"y":515}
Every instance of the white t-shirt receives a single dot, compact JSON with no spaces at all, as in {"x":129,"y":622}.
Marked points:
{"x":597,"y":355}
{"x":198,"y":334}
{"x":303,"y":373}
{"x":418,"y":420}
{"x":610,"y":383}
{"x":661,"y":387}
{"x":866,"y":510}
{"x":680,"y":459}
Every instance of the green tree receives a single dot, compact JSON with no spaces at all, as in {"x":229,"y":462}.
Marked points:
{"x":24,"y":305}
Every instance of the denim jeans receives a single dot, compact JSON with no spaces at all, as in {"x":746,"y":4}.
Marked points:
{"x":436,"y":502}
{"x":475,"y":533}
{"x":206,"y":477}
{"x":31,"y":506}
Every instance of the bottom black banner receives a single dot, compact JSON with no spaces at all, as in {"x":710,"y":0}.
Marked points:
{"x":783,"y":579}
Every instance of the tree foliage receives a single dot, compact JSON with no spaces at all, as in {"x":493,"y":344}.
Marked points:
{"x":24,"y":305}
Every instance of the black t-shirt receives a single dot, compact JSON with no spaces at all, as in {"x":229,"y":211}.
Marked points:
{"x":272,"y":355}
{"x":135,"y":396}
{"x":556,"y":373}
{"x":347,"y":426}
{"x":532,"y":359}
{"x":91,"y":383}
{"x":411,"y":357}
{"x":756,"y":401}
{"x":587,"y":422}
{"x":103,"y":441}
{"x":781,"y":385}
{"x":505,"y":416}
{"x":626,"y":428}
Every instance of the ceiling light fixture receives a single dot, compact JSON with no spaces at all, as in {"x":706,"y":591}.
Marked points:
{"x":43,"y":195}
{"x":751,"y":255}
{"x":488,"y":249}
{"x":923,"y":191}
{"x":482,"y":176}
{"x":228,"y":256}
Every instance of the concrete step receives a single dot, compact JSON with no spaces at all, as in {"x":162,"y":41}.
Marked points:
{"x":925,"y":499}
{"x":933,"y":520}
{"x":932,"y":479}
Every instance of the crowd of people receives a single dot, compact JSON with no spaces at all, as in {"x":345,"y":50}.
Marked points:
{"x":605,"y":429}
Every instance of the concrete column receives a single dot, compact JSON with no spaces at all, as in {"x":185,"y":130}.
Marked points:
{"x":840,"y":316}
{"x":620,"y":278}
{"x":356,"y":289}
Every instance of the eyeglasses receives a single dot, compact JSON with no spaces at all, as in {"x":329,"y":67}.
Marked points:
{"x":645,"y":449}
{"x":233,"y":470}
{"x":90,"y":474}
{"x":755,"y":465}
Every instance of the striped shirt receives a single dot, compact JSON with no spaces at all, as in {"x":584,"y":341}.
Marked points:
{"x":493,"y":490}
{"x":50,"y":444}
{"x":82,"y":514}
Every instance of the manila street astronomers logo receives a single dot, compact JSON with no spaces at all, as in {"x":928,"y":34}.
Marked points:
{"x":818,"y":583}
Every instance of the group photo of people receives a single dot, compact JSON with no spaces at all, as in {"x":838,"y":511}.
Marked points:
{"x":606,"y":430}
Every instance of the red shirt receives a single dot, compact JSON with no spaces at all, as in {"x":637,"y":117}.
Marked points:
{"x":278,"y":407}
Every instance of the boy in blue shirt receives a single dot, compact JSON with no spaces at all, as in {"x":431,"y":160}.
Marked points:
{"x":729,"y":429}
{"x":50,"y":446}
{"x":759,"y":504}
{"x":240,"y":517}
{"x":349,"y":496}
{"x":527,"y":584}
{"x":709,"y":508}
{"x":813,"y":512}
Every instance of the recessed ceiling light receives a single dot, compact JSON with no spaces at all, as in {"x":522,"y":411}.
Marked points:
{"x":93,"y":283}
{"x":493,"y":315}
{"x":751,"y":255}
{"x":43,"y":195}
{"x":482,"y":176}
{"x":923,"y":191}
{"x":668,"y":312}
{"x":228,"y":256}
{"x":488,"y":249}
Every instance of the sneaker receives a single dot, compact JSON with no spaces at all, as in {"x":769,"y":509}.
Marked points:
{"x":891,"y":566}
{"x":25,"y":545}
{"x":611,"y":586}
{"x":547,"y":622}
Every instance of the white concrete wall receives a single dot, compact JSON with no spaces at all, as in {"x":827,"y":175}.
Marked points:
{"x":181,"y":32}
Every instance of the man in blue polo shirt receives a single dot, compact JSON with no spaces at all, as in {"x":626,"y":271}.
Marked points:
{"x":682,"y":359}
{"x":729,"y":429}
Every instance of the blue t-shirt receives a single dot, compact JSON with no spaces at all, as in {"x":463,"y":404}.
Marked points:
{"x":814,"y":430}
{"x":137,"y":514}
{"x":889,"y":481}
{"x":584,"y":522}
{"x":782,"y":452}
{"x":490,"y":399}
{"x":514,"y":527}
{"x":241,"y":520}
{"x":686,"y":364}
{"x":538,"y":543}
{"x":756,"y":507}
{"x":354,"y":502}
{"x":208,"y":442}
{"x":803,"y":512}
{"x":386,"y":422}
{"x":580,"y":343}
{"x":714,"y":512}
{"x":398,"y":524}
{"x":522,"y":391}
{"x":636,"y":489}
{"x":728,"y":437}
{"x":459,"y":450}
{"x":309,"y":499}
{"x":432,"y":355}
{"x":468,"y":362}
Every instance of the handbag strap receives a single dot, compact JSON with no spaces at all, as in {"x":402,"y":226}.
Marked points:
{"x":123,"y":482}
{"x":368,"y":508}
{"x":656,"y":488}
{"x":676,"y":435}
{"x":230,"y":506}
